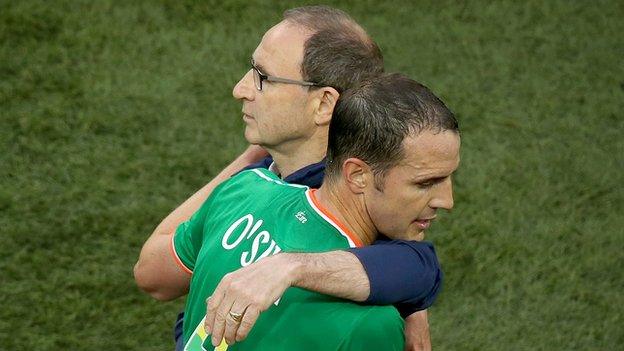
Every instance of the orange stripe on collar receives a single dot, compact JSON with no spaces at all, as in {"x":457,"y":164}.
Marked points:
{"x":356,"y":240}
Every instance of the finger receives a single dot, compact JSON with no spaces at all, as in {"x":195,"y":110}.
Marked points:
{"x":207,"y":321}
{"x":212,"y":304}
{"x":249,"y":319}
{"x":219,"y":320}
{"x":231,"y":324}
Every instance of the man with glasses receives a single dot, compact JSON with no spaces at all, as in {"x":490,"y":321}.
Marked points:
{"x":298,"y":72}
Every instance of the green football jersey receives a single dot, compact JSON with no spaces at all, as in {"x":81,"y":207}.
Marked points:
{"x":249,"y":217}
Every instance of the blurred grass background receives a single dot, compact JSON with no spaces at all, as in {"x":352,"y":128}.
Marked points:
{"x":113,"y":112}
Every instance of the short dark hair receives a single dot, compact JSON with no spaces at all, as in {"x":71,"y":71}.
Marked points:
{"x":370,"y":122}
{"x":339,"y":53}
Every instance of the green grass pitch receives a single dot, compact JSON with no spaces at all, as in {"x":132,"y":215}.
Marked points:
{"x":113,"y":112}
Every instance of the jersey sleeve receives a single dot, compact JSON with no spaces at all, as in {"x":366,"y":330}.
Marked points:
{"x":404,"y":273}
{"x":189,"y":236}
{"x":188,"y":239}
{"x":377,"y":330}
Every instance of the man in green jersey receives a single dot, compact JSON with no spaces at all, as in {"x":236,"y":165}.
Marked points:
{"x":392,"y":149}
{"x":257,"y":214}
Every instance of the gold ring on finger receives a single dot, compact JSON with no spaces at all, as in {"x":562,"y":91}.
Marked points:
{"x":236,"y":316}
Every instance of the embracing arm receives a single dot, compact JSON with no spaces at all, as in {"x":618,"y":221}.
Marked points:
{"x":404,"y":273}
{"x":157,"y":272}
{"x":336,"y":273}
{"x":254,"y":288}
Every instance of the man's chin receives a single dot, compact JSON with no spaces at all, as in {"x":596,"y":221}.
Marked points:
{"x":251,"y":136}
{"x":411,"y":235}
{"x":416,"y":234}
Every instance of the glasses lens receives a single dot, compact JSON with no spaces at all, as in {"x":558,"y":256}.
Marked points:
{"x":256,"y":78}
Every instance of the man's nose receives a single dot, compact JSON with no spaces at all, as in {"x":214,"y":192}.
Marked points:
{"x":443,"y":196}
{"x":245,"y":88}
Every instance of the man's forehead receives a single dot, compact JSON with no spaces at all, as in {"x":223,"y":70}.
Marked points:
{"x":286,"y":29}
{"x":443,"y":143}
{"x":431,"y":150}
{"x":281,"y":48}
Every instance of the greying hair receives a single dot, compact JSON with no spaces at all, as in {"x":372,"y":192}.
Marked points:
{"x":339,"y":53}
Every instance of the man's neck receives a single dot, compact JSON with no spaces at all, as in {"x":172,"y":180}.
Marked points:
{"x":349,"y":209}
{"x":295,"y":155}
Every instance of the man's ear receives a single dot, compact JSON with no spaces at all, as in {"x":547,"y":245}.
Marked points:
{"x":357,"y":175}
{"x":327,"y":98}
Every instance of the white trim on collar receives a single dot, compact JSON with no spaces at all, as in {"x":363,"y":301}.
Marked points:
{"x":273,"y":168}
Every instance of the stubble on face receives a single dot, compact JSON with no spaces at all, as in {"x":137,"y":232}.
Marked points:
{"x":416,"y":187}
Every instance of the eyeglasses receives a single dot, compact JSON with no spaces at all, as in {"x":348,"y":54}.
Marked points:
{"x":259,"y":77}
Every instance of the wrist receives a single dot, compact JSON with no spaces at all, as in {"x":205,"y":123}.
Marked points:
{"x":293,"y":266}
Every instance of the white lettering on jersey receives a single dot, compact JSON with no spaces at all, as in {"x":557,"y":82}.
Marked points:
{"x":301,"y":217}
{"x":262,"y":240}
